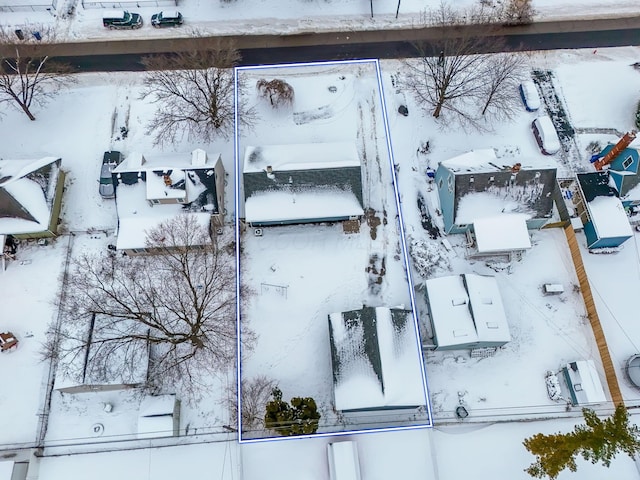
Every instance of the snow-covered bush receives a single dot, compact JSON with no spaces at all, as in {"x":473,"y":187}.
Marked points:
{"x":427,"y":257}
{"x":638,"y":116}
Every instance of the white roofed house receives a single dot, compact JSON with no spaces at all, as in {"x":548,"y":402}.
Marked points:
{"x":377,"y":370}
{"x":30,"y":197}
{"x":302,"y":183}
{"x":151,"y":190}
{"x":466,"y":312}
{"x":496,"y":199}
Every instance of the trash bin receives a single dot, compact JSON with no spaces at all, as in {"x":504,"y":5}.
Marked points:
{"x":19,"y":34}
{"x":37,"y":36}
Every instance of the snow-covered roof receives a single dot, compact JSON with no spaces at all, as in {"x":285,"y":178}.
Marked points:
{"x":584,"y":382}
{"x":156,"y":416}
{"x":377,"y":360}
{"x":316,"y":203}
{"x":487,"y":308}
{"x":302,"y":156}
{"x":133,"y":231}
{"x":467,"y":310}
{"x":136,"y":217}
{"x":153,"y":405}
{"x":609,"y":217}
{"x":137,"y":162}
{"x":25,"y":204}
{"x":13,"y":170}
{"x":476,"y":205}
{"x":449,"y":310}
{"x":502,"y":233}
{"x":163,"y":185}
{"x":485,"y":160}
{"x":6,"y":470}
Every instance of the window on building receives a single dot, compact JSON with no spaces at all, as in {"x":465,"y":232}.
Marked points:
{"x":627,"y":162}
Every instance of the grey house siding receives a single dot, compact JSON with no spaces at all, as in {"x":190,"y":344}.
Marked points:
{"x":344,"y":178}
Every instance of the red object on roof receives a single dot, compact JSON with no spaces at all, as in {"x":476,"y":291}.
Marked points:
{"x":623,"y":143}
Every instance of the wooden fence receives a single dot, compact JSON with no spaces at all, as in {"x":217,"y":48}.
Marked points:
{"x":601,"y":341}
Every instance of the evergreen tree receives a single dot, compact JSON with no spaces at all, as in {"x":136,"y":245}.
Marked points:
{"x":299,"y":418}
{"x":599,"y":440}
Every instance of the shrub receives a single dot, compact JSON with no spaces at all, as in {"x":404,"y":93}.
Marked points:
{"x":277,"y":91}
{"x":299,"y":418}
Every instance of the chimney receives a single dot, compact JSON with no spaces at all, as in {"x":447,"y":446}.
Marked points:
{"x":269,"y":169}
{"x":617,"y":149}
{"x":516,"y":168}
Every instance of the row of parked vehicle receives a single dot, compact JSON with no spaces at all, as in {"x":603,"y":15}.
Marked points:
{"x":122,"y":19}
{"x":543,"y":129}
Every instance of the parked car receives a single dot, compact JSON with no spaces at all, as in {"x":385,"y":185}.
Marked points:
{"x":546,"y":135}
{"x":110,"y":160}
{"x":171,"y":18}
{"x":121,"y":19}
{"x":529,"y":95}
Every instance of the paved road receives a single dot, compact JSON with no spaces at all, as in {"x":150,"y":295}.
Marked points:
{"x":117,"y":55}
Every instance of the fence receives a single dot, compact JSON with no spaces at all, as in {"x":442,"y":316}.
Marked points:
{"x":36,"y":6}
{"x":601,"y":341}
{"x":131,"y":4}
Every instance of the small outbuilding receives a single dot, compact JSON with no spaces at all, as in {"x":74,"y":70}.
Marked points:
{"x":376,"y":363}
{"x":606,"y":224}
{"x":159,"y":416}
{"x":466,"y":312}
{"x":583,"y":382}
{"x":302,"y":183}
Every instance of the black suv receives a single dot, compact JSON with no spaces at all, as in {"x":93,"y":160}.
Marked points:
{"x":166,"y":19}
{"x":121,"y":19}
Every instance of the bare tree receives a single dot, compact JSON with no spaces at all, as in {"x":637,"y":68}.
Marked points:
{"x":179,"y":302}
{"x":504,"y":74}
{"x":28,"y":77}
{"x":277,"y":91}
{"x":518,"y":12}
{"x":256,"y":393}
{"x":194,"y":92}
{"x":450,"y":77}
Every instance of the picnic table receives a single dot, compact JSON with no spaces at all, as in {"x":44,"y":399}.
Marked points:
{"x":7,"y":341}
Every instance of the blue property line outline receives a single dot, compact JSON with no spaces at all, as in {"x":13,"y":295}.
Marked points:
{"x":405,"y":256}
{"x":236,"y":200}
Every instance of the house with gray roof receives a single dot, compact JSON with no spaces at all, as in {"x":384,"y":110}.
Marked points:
{"x":478,"y":184}
{"x":302,"y":183}
{"x":152,"y":189}
{"x":377,"y":367}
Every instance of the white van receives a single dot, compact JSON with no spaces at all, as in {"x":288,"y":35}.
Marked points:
{"x":343,"y":461}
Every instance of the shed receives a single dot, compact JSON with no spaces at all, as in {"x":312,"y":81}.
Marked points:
{"x":583,"y":383}
{"x":159,"y":416}
{"x":302,"y":183}
{"x":478,"y":184}
{"x":376,"y":360}
{"x":606,"y":224}
{"x":466,"y":312}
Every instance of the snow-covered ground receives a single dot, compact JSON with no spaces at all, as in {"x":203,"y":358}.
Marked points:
{"x":599,"y":89}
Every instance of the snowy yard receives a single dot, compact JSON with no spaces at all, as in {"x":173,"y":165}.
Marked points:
{"x":297,"y":275}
